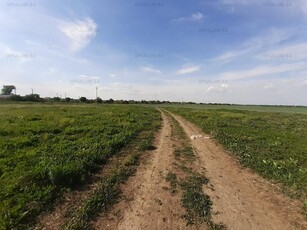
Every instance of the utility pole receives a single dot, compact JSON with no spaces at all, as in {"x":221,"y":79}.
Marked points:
{"x":32,"y":91}
{"x":65,"y":95}
{"x":96,"y":92}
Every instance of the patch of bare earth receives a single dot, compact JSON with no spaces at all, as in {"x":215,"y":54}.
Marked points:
{"x":241,"y":198}
{"x":147,"y":202}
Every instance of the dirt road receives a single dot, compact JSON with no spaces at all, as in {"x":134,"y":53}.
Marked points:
{"x":147,"y":204}
{"x":241,"y":198}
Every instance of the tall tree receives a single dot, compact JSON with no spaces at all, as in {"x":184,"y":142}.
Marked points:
{"x":7,"y":89}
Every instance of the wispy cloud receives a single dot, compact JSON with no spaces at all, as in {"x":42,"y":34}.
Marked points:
{"x":188,"y":70}
{"x":45,"y":40}
{"x":269,"y":86}
{"x":262,"y":71}
{"x":121,"y":86}
{"x":303,"y":7}
{"x":79,"y":32}
{"x":231,"y":55}
{"x":293,"y":51}
{"x":192,"y":18}
{"x":149,"y":69}
{"x":271,"y":38}
{"x":218,"y":88}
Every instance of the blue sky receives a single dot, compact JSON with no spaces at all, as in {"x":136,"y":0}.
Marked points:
{"x":225,"y":51}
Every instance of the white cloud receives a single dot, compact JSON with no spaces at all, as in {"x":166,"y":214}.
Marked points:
{"x":112,"y":75}
{"x":148,"y":69}
{"x":262,"y":71}
{"x":269,"y":86}
{"x":218,"y":88}
{"x":184,"y":90}
{"x":188,"y":70}
{"x":293,"y":52}
{"x":197,"y":16}
{"x":271,"y":38}
{"x":193,"y":17}
{"x":121,"y":86}
{"x":297,"y":7}
{"x":79,"y":32}
{"x":301,"y":6}
{"x":231,"y":55}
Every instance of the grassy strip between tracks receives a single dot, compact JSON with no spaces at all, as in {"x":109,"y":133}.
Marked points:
{"x":197,"y":204}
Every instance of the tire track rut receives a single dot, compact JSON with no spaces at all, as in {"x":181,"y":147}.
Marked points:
{"x":241,"y":198}
{"x":148,"y":204}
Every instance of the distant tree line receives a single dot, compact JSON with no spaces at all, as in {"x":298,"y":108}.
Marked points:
{"x":30,"y":97}
{"x":37,"y":98}
{"x":7,"y":94}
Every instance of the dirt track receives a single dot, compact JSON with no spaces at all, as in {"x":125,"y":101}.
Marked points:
{"x":147,"y":204}
{"x":241,"y":199}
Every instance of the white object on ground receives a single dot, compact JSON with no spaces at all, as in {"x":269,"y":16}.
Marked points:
{"x":193,"y":137}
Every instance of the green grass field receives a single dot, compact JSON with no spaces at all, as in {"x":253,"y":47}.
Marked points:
{"x":273,"y":144}
{"x":258,"y":108}
{"x":48,"y":149}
